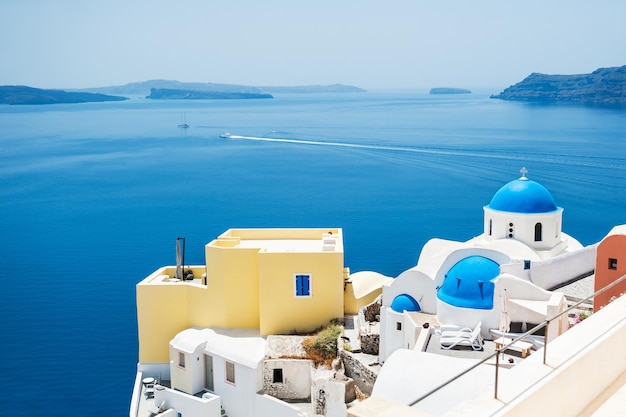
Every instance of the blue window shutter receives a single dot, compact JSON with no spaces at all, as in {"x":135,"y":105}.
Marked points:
{"x":302,"y":285}
{"x":298,"y":284}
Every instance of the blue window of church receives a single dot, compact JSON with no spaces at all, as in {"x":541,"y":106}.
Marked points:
{"x":303,"y":285}
{"x":526,"y":263}
{"x":538,"y":232}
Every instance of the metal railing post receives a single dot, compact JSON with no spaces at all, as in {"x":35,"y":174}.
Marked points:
{"x":495,"y":394}
{"x":545,"y":340}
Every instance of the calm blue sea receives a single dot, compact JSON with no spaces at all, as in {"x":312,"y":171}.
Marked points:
{"x":93,"y":197}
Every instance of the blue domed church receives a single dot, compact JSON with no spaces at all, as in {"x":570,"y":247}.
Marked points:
{"x":525,"y":210}
{"x":522,"y":251}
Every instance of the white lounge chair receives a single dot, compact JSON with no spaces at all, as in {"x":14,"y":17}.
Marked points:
{"x":453,"y":338}
{"x":451,"y":330}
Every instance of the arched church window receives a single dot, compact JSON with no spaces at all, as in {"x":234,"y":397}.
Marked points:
{"x":538,"y":232}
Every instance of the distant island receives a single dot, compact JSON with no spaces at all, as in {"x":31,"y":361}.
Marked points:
{"x":448,"y":90}
{"x":144,"y":88}
{"x":173,"y":94}
{"x":604,"y":86}
{"x":19,"y":94}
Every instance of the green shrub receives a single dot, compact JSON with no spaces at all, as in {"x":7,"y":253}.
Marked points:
{"x":322,"y":348}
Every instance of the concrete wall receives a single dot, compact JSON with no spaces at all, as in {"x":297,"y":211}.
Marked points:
{"x":362,"y":288}
{"x":161,"y":315}
{"x":391,"y":338}
{"x":187,"y":405}
{"x":296,"y":383}
{"x":238,"y":399}
{"x":363,"y":376}
{"x":369,"y":329}
{"x":232,"y":296}
{"x":281,"y":311}
{"x":266,"y":405}
{"x":586,"y":359}
{"x":557,"y":271}
{"x":190,"y":378}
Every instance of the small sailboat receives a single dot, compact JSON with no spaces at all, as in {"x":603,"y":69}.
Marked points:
{"x":183,"y":121}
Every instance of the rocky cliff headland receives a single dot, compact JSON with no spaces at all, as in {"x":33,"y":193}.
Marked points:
{"x":19,"y":94}
{"x":604,"y":86}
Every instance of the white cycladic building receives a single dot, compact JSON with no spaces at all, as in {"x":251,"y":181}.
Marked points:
{"x":227,"y":362}
{"x":521,"y":249}
{"x":214,"y":369}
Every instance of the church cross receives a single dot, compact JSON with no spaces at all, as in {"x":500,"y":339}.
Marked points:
{"x":524,"y":171}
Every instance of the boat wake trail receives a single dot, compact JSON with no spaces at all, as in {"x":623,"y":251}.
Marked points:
{"x":579,"y":160}
{"x":352,"y":145}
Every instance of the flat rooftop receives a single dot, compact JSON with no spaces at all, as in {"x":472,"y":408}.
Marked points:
{"x":283,"y":240}
{"x":287,"y":245}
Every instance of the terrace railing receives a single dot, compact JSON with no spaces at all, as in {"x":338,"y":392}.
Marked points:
{"x":530,"y":332}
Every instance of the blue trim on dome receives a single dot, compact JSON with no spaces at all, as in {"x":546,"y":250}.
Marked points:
{"x":405,"y":302}
{"x":469,"y":283}
{"x":523,"y":196}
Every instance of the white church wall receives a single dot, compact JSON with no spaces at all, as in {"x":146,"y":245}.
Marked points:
{"x":460,"y":254}
{"x":463,"y":317}
{"x":521,"y":226}
{"x":519,"y":288}
{"x":391,"y":332}
{"x":557,"y":271}
{"x":411,"y":330}
{"x":416,"y":284}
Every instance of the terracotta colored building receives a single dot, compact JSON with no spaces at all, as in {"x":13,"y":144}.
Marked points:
{"x":610,"y":266}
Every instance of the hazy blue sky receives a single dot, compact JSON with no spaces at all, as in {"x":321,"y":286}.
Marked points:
{"x":413,"y":44}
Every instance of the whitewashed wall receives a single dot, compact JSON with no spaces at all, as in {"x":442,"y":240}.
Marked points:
{"x":296,"y":383}
{"x":187,"y":405}
{"x":266,"y":405}
{"x":238,"y":399}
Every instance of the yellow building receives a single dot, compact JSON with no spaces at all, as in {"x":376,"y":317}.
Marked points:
{"x":279,"y":281}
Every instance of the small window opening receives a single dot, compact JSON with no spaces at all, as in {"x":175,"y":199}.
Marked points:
{"x":181,"y":359}
{"x":278,"y":375}
{"x":538,"y":232}
{"x":527,"y":264}
{"x":230,"y":372}
{"x":612,"y":263}
{"x":398,"y":326}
